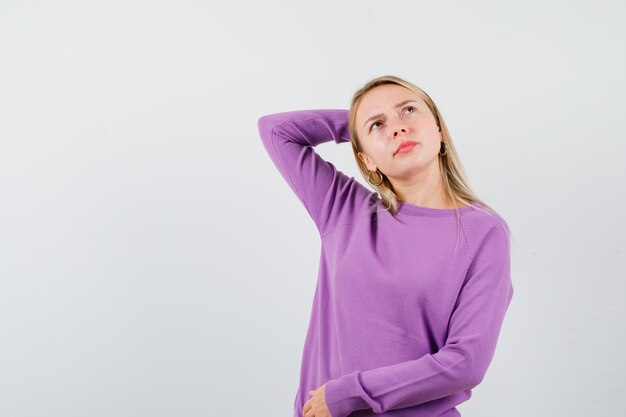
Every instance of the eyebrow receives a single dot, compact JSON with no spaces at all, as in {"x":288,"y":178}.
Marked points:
{"x":395,"y":107}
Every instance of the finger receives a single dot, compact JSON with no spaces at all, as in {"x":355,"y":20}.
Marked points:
{"x":309,"y":413}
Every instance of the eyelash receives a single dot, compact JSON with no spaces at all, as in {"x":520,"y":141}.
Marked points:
{"x":407,"y":107}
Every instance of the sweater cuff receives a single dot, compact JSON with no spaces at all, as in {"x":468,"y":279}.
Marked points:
{"x":343,"y":395}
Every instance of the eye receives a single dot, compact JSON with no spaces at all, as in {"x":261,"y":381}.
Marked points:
{"x":406,"y":108}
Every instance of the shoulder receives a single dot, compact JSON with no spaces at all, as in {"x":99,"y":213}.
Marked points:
{"x":484,"y":225}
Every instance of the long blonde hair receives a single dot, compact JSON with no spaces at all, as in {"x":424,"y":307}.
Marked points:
{"x":455,"y":184}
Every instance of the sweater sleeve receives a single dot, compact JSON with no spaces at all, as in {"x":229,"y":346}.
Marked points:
{"x":462,"y":362}
{"x":289,"y":138}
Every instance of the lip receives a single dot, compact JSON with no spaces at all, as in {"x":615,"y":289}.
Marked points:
{"x":409,"y":144}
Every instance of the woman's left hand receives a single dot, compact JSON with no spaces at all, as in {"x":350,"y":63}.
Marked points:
{"x":316,"y":405}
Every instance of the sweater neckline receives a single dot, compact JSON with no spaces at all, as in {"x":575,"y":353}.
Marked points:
{"x":414,"y":210}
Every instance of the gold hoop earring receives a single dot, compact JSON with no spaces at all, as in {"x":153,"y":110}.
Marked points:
{"x":445,"y":149}
{"x":370,"y":180}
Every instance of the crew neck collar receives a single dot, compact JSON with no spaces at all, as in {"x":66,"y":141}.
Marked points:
{"x":413,"y":210}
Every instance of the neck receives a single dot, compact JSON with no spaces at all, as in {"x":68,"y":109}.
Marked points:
{"x":423,"y":189}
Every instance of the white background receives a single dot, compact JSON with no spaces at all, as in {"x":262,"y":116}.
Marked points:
{"x":153,"y":261}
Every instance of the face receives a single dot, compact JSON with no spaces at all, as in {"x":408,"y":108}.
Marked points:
{"x":389,"y":115}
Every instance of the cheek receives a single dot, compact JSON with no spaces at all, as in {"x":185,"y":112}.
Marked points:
{"x":429,"y":134}
{"x":380,"y":151}
{"x":427,"y":127}
{"x":432,"y":145}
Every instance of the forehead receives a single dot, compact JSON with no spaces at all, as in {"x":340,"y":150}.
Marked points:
{"x":383,"y":98}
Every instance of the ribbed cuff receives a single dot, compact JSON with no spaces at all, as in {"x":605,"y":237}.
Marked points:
{"x":343,"y":395}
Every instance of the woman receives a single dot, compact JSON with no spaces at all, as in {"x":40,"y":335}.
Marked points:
{"x":414,"y":279}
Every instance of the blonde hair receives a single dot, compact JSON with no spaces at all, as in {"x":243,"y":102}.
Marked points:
{"x":455,"y":184}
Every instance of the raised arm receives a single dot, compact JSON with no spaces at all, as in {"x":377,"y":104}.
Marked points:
{"x":326,"y":193}
{"x":461,"y":363}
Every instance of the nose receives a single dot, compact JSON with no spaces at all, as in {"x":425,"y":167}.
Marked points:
{"x":398,"y":127}
{"x":395,"y":132}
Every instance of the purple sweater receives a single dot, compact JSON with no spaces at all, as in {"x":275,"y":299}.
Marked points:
{"x":404,"y":320}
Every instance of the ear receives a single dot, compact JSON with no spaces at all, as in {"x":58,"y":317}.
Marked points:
{"x":367,"y":161}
